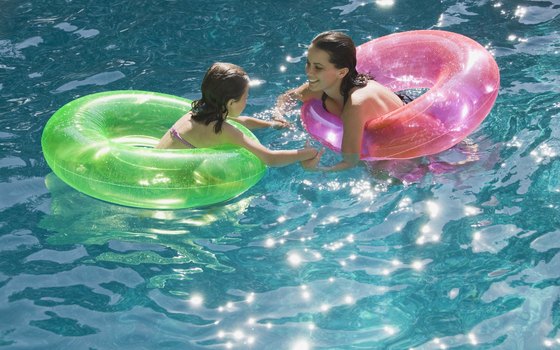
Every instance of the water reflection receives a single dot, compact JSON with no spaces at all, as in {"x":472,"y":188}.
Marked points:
{"x":415,"y":170}
{"x":138,"y":236}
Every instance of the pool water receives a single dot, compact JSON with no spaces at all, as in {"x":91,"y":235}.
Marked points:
{"x":456,"y":251}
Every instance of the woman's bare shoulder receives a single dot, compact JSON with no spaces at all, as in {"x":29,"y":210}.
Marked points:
{"x":303,"y":93}
{"x":374,"y":93}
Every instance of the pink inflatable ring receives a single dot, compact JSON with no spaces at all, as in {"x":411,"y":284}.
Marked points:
{"x":463,"y":82}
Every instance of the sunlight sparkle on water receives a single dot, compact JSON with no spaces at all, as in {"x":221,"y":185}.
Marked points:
{"x":514,"y":142}
{"x":440,"y":343}
{"x":163,"y":215}
{"x":470,"y":211}
{"x":390,"y":330}
{"x":250,"y":298}
{"x":385,"y":3}
{"x":301,"y":344}
{"x":255,"y":82}
{"x":405,"y":202}
{"x":543,"y":151}
{"x":472,"y":339}
{"x":294,"y":259}
{"x":238,"y":334}
{"x":196,"y":300}
{"x":453,"y":293}
{"x":291,"y":59}
{"x":433,"y":209}
{"x":417,"y":265}
{"x":520,"y":11}
{"x":334,"y":246}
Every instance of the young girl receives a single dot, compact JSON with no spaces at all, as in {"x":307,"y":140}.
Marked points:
{"x":225,"y":88}
{"x":356,"y":98}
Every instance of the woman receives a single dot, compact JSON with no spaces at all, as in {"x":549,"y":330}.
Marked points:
{"x":225,"y":89}
{"x":356,"y":98}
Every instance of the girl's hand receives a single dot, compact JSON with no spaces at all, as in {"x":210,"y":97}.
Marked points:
{"x":280,"y":123}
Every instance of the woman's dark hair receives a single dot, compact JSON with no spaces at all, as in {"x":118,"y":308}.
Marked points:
{"x":222,"y":82}
{"x":342,"y":53}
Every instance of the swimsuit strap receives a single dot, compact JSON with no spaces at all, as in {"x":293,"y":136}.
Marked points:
{"x":323,"y":99}
{"x":177,"y":136}
{"x":404,"y":97}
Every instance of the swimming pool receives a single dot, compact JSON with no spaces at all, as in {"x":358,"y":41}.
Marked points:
{"x":460,"y":251}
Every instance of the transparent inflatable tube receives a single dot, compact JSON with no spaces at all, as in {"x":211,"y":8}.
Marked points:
{"x":102,"y":145}
{"x":463,"y":81}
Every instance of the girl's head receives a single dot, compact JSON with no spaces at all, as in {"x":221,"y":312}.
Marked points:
{"x":225,"y":88}
{"x":341,"y":53}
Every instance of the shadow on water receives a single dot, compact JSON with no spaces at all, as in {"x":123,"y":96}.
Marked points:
{"x":141,"y":236}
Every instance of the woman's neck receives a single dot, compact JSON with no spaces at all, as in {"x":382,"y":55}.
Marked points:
{"x":334,"y":93}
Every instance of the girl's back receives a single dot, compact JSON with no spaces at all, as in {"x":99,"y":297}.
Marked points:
{"x":198,"y":135}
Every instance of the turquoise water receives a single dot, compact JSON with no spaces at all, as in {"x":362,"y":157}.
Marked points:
{"x":460,"y":251}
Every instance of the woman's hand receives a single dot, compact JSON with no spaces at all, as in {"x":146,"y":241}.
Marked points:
{"x":312,"y":163}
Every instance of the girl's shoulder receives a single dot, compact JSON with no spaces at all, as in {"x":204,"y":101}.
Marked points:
{"x":229,"y":132}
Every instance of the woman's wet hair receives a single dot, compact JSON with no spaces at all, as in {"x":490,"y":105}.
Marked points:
{"x":342,"y":54}
{"x":222,"y":82}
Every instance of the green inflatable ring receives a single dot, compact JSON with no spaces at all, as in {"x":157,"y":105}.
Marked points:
{"x":103,"y":146}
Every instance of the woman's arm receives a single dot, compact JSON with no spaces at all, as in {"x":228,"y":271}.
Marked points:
{"x":353,"y":131}
{"x":289,"y":99}
{"x":348,"y":161}
{"x":273,"y":158}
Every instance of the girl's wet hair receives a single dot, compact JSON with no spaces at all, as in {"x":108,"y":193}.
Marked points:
{"x":222,"y":82}
{"x":342,"y":54}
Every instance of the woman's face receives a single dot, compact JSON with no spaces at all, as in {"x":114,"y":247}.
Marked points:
{"x":321,"y":74}
{"x":235,"y":108}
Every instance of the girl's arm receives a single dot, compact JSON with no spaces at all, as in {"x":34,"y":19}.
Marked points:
{"x":254,"y":123}
{"x":270,"y":157}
